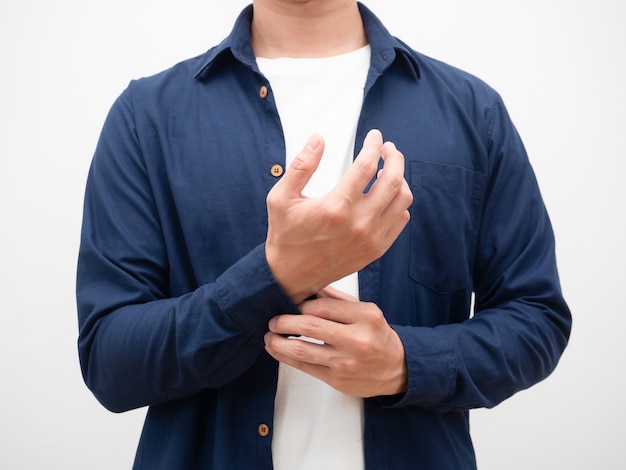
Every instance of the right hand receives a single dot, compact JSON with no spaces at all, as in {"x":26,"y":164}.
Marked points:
{"x":313,"y":242}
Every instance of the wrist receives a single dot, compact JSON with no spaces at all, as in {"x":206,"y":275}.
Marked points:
{"x":293,"y":276}
{"x":400,"y":381}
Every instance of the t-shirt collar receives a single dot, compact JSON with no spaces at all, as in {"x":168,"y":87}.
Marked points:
{"x":384,"y":47}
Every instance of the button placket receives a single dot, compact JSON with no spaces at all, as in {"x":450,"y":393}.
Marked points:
{"x":277,"y":169}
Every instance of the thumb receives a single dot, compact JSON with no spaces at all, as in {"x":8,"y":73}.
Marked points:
{"x":303,"y":166}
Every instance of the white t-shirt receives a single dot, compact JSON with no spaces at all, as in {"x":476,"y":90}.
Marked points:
{"x":315,"y":426}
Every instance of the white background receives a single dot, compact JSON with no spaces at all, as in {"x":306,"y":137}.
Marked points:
{"x":561,"y":69}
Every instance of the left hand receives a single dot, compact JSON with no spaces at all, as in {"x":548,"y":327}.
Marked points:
{"x":362,"y":355}
{"x":312,"y":242}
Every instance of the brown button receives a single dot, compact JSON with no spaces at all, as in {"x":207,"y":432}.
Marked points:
{"x":263,"y":91}
{"x":264,"y":430}
{"x":276,"y":170}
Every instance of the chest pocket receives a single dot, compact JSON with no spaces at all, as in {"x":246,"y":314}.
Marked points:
{"x":445,"y":216}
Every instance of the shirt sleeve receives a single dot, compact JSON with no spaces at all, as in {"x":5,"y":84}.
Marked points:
{"x":521,"y":323}
{"x":139,"y":344}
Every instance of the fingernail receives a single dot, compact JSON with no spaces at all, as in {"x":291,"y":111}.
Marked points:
{"x":313,"y":143}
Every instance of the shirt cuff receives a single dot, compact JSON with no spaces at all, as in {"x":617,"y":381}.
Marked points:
{"x":249,"y":294}
{"x":431,"y":368}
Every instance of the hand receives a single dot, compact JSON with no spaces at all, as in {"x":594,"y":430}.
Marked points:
{"x":361,"y":354}
{"x":313,"y":242}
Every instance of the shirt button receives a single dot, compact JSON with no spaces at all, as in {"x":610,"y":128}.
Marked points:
{"x":263,"y":91}
{"x":264,"y":430}
{"x":276,"y":170}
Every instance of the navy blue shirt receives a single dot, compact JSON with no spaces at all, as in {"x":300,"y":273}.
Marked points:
{"x":175,"y":294}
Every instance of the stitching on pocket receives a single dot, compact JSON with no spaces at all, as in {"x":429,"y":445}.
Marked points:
{"x":444,"y":224}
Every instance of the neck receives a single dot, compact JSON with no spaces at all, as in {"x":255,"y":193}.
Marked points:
{"x":306,"y":28}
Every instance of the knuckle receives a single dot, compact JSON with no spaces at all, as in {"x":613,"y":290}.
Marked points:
{"x":395,"y":181}
{"x":310,"y":325}
{"x":391,"y":151}
{"x":351,"y":368}
{"x":299,"y":163}
{"x":337,"y":212}
{"x":405,"y":217}
{"x":407,"y":195}
{"x":298,"y":350}
{"x":367,"y":167}
{"x":362,"y":348}
{"x":361,"y":229}
{"x":348,"y":366}
{"x":375,"y":313}
{"x":372,"y":315}
{"x":375,"y":246}
{"x":273,"y":197}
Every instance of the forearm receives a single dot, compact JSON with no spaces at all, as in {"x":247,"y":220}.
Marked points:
{"x":515,"y":338}
{"x":483,"y":361}
{"x":172,"y":294}
{"x":142,"y":353}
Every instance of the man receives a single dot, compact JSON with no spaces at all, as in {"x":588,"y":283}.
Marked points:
{"x":298,"y":319}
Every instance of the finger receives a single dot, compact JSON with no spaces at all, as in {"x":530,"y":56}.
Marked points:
{"x":303,"y":166}
{"x":364,"y":168}
{"x":390,"y":179}
{"x":299,"y":325}
{"x":337,"y":312}
{"x":396,"y":228}
{"x":334,"y":293}
{"x":316,"y":365}
{"x":397,"y":210}
{"x":295,"y":352}
{"x":308,"y":326}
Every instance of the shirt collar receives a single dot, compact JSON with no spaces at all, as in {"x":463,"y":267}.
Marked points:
{"x":385,"y":48}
